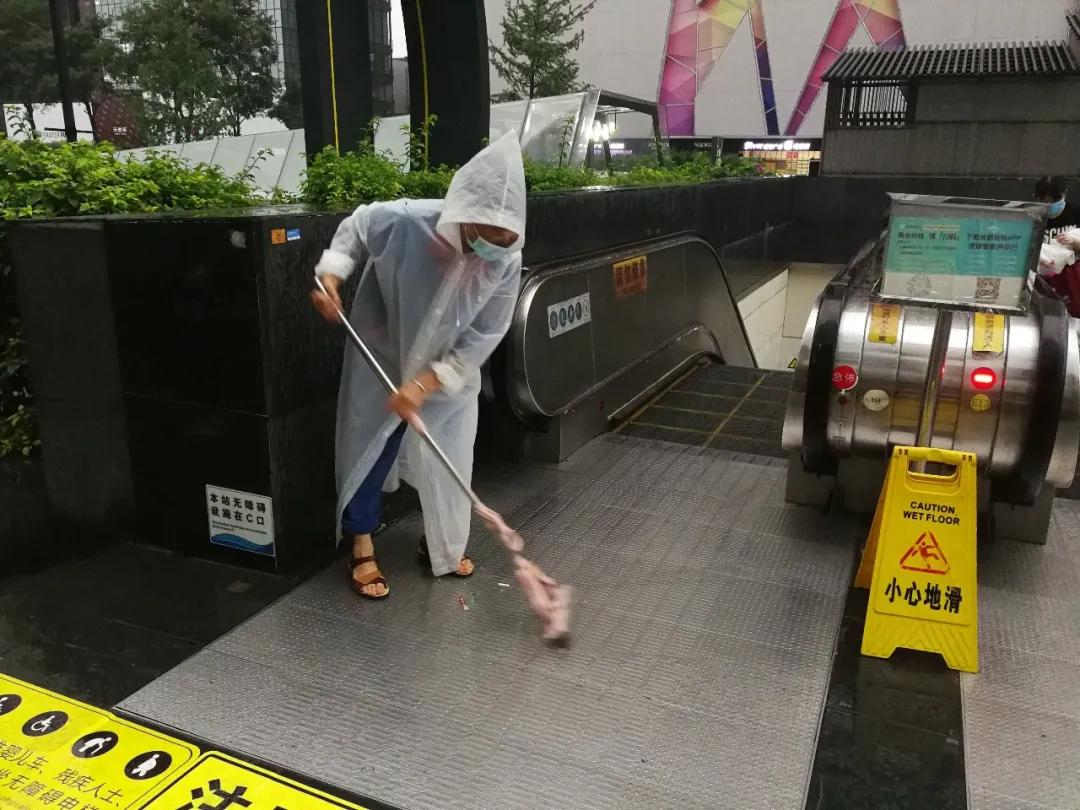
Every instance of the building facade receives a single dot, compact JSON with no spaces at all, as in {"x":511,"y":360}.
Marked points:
{"x":754,"y":68}
{"x":970,"y":110}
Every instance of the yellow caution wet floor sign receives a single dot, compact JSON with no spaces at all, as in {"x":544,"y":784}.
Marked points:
{"x":218,"y":780}
{"x":919,"y":561}
{"x":60,"y":754}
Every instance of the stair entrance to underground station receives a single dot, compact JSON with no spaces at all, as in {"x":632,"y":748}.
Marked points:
{"x":703,"y":635}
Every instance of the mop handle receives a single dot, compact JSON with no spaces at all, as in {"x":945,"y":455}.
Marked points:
{"x":391,"y":389}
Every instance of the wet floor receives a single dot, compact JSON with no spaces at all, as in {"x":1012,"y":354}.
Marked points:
{"x":100,"y":628}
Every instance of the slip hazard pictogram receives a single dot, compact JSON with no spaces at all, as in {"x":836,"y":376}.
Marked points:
{"x":925,"y":556}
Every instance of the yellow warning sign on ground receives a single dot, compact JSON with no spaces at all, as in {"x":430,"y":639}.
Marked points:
{"x":218,"y":780}
{"x":919,"y":561}
{"x":988,"y":333}
{"x":884,"y":323}
{"x":60,"y":754}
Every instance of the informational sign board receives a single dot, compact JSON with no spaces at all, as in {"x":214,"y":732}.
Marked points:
{"x":967,"y":260}
{"x":218,"y":780}
{"x":240,"y":520}
{"x":60,"y":754}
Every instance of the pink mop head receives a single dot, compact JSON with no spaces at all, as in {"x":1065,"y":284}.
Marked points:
{"x":549,"y":600}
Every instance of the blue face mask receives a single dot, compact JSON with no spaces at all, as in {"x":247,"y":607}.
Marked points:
{"x":1055,"y":209}
{"x":487,"y":251}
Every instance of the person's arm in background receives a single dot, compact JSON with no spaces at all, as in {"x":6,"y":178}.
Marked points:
{"x":472,"y":348}
{"x":346,"y":251}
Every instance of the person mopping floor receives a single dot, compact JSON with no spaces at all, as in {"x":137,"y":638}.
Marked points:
{"x":436,"y":296}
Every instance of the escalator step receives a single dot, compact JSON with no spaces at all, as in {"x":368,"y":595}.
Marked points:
{"x":720,"y":407}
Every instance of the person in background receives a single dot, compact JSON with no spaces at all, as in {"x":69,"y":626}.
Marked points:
{"x":439,"y":286}
{"x":1062,"y":222}
{"x":1061,"y":215}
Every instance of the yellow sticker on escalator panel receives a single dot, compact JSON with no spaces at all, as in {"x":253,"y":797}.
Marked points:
{"x":988,"y":333}
{"x":884,"y":323}
{"x":630,"y":276}
{"x":58,"y":753}
{"x":217,"y":780}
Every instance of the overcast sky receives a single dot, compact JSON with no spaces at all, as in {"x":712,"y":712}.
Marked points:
{"x":397,"y":29}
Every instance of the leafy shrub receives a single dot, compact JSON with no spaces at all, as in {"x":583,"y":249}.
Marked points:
{"x":545,"y":177}
{"x":345,"y":181}
{"x":44,"y":180}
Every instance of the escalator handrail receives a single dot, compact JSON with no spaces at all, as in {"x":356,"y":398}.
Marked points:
{"x":534,"y":278}
{"x":1029,"y":474}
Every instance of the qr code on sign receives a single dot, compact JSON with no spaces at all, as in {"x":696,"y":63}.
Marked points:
{"x":987,"y":290}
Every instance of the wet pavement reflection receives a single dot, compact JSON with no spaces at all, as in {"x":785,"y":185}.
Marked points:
{"x":99,"y":628}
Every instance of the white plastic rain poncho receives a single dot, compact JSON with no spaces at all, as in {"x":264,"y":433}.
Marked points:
{"x":424,"y":303}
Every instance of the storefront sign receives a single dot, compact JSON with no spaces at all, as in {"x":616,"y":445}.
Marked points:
{"x":777,"y":146}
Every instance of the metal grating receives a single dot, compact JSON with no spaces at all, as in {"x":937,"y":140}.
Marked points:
{"x":1022,"y":711}
{"x":705,"y":617}
{"x":960,"y":60}
{"x":1073,"y":491}
{"x":740,"y":410}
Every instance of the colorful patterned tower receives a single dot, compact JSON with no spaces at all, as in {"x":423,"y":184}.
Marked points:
{"x":698,"y":35}
{"x":881,"y":18}
{"x":700,"y":31}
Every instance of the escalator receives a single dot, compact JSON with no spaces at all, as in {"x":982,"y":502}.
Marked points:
{"x":706,"y":607}
{"x":595,"y":337}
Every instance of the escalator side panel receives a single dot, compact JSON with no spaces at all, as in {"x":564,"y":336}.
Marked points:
{"x":683,"y":309}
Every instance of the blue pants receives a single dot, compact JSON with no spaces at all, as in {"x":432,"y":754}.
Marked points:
{"x":363,"y":513}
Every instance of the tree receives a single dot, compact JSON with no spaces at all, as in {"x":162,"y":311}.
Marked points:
{"x":539,"y":40}
{"x":196,"y":69}
{"x":241,"y":40}
{"x":28,"y":65}
{"x":88,"y":52}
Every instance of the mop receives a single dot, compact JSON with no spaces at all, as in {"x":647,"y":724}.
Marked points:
{"x":548,"y":600}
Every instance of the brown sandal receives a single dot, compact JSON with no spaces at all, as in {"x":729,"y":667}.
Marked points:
{"x":425,"y":557}
{"x":359,"y":585}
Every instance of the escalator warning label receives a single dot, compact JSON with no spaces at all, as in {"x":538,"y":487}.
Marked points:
{"x":631,"y":277}
{"x":884,"y":323}
{"x":567,"y":315}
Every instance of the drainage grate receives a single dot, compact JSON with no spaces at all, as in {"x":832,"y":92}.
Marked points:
{"x":723,"y":407}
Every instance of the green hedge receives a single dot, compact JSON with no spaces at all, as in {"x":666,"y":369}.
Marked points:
{"x":57,"y":180}
{"x":344,"y":181}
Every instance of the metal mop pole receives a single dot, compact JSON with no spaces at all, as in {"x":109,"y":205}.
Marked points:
{"x":391,"y":389}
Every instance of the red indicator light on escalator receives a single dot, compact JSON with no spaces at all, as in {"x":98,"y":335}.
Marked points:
{"x":983,"y":378}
